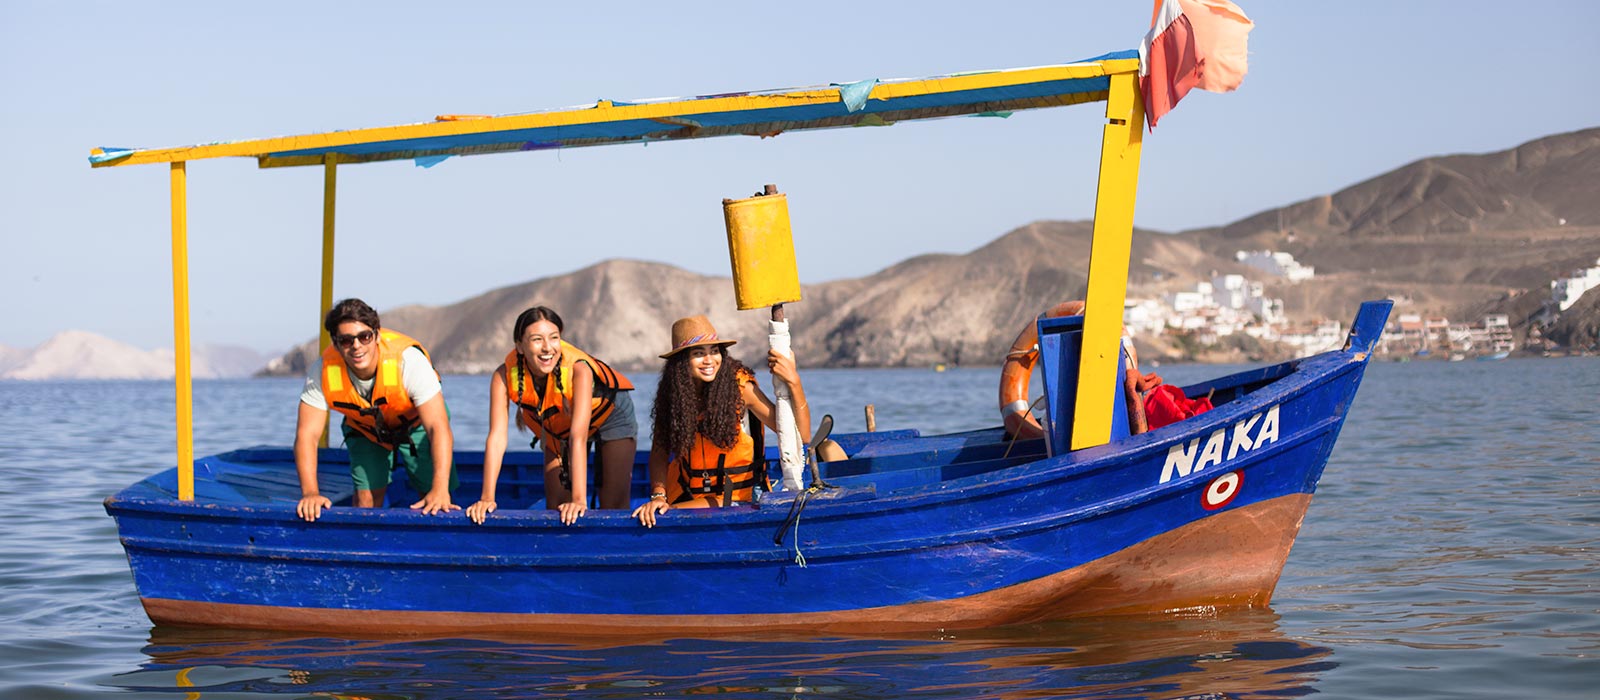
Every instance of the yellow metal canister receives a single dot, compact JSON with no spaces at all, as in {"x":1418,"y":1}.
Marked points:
{"x":761,"y":248}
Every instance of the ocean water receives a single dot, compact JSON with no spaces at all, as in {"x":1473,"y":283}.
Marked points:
{"x":1452,"y":551}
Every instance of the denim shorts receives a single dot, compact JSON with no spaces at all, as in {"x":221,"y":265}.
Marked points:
{"x":622,"y":423}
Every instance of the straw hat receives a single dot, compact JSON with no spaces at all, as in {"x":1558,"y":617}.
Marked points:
{"x":691,"y":332}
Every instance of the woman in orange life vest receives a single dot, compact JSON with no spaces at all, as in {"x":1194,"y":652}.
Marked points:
{"x":567,"y":398}
{"x":701,"y":455}
{"x":389,"y":393}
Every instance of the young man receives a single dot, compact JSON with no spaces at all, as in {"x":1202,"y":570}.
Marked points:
{"x":387,"y":389}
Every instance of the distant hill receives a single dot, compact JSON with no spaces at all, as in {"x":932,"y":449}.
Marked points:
{"x":932,"y":308}
{"x":1442,"y":234}
{"x":9,"y":357}
{"x":83,"y":355}
{"x":1458,"y":235}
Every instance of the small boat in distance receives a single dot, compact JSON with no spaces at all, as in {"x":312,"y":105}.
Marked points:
{"x":1501,"y":355}
{"x":915,"y":532}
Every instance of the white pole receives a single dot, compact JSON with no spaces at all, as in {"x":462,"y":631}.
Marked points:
{"x":789,"y":438}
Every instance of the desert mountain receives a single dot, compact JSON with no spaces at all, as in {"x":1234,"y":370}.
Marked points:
{"x":1450,"y":235}
{"x":1443,"y":235}
{"x":83,"y":355}
{"x":932,"y":308}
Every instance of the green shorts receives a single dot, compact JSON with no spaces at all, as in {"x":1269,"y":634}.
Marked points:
{"x":371,"y":463}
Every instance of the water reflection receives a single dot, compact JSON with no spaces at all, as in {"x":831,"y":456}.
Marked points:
{"x":1236,"y":655}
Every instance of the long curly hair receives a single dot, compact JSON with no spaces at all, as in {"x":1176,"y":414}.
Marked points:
{"x":686,"y":405}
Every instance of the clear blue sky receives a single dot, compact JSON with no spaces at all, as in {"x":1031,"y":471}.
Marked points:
{"x":1337,"y":93}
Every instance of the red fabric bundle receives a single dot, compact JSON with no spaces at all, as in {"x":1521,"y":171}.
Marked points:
{"x":1166,"y":404}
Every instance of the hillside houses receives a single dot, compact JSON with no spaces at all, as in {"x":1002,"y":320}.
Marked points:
{"x":1564,"y":292}
{"x":1276,"y":263}
{"x":1226,"y":305}
{"x":1411,"y":333}
{"x":1232,"y":304}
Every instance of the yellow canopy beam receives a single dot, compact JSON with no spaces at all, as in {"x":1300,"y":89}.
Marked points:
{"x":669,"y":112}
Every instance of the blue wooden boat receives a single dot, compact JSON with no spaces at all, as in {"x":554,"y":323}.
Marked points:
{"x":922,"y":532}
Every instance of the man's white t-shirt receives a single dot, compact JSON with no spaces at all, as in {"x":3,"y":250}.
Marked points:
{"x":416,"y":374}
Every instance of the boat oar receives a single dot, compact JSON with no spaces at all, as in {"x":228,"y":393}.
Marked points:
{"x":761,"y":249}
{"x":823,"y":429}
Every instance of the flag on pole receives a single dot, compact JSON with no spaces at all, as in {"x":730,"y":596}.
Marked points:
{"x":1192,"y":44}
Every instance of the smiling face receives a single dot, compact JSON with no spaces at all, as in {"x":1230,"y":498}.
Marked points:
{"x":357,"y":343}
{"x":705,"y":361}
{"x":541,"y":345}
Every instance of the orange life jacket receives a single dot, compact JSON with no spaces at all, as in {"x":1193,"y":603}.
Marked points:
{"x":730,"y":474}
{"x":389,"y":416}
{"x":546,"y":405}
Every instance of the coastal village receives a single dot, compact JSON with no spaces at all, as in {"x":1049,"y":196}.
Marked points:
{"x":1233,"y":304}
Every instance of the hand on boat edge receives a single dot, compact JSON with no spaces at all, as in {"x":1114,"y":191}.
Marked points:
{"x":571,"y":510}
{"x":647,"y":512}
{"x":311,"y":506}
{"x":435,"y":502}
{"x":480,"y":510}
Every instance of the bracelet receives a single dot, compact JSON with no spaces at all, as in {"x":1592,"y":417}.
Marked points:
{"x":661,"y":496}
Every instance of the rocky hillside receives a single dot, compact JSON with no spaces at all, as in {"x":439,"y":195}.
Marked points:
{"x":1443,"y":235}
{"x":960,"y":309}
{"x":1456,"y":235}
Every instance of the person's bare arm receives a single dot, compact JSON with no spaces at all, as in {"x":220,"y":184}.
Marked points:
{"x":307,"y":433}
{"x":436,"y":422}
{"x":494,"y":447}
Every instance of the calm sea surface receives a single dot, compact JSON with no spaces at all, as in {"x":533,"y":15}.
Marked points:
{"x":1451,"y":552}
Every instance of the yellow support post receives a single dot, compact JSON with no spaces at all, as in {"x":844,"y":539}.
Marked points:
{"x":184,"y":384}
{"x":330,"y":186}
{"x":1108,"y":263}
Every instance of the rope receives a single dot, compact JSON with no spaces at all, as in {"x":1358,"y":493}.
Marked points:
{"x":1018,"y":434}
{"x":793,"y":521}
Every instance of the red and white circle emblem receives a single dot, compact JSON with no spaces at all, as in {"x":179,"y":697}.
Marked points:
{"x":1221,"y":490}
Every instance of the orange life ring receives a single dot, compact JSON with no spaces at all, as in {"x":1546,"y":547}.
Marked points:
{"x":1018,"y":369}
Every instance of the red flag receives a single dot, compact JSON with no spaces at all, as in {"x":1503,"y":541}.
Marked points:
{"x":1192,"y":43}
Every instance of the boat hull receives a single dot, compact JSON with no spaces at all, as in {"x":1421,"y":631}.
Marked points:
{"x":940,"y":532}
{"x":1172,"y":572}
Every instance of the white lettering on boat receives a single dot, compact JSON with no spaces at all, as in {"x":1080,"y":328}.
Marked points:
{"x":1184,"y":459}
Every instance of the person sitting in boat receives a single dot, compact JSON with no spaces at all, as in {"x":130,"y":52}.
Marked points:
{"x":569,"y":399}
{"x":392,"y":401}
{"x":703,"y":453}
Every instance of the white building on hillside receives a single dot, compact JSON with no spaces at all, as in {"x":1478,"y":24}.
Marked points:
{"x":1144,"y":315}
{"x":1276,"y":263}
{"x":1566,"y":291}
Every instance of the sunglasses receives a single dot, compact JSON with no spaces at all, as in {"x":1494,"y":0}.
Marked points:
{"x":346,"y":341}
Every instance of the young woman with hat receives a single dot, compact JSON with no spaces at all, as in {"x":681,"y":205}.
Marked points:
{"x":702,"y":453}
{"x":568,"y":398}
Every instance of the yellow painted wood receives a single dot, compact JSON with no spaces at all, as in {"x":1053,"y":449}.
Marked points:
{"x":330,"y":186}
{"x":1098,"y":380}
{"x":184,"y":384}
{"x":606,"y":111}
{"x":761,"y":248}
